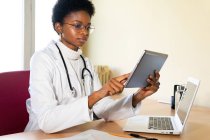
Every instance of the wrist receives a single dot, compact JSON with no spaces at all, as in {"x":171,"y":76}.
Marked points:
{"x":95,"y":97}
{"x":136,"y":99}
{"x":102,"y":93}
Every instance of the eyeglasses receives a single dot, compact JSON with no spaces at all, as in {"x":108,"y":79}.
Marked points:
{"x":79,"y":27}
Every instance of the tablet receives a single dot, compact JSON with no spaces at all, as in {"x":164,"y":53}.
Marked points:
{"x":148,"y":63}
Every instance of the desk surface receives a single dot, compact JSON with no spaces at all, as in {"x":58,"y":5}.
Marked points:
{"x":197,"y":127}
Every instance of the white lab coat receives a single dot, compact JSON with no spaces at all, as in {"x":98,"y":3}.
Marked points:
{"x":52,"y":107}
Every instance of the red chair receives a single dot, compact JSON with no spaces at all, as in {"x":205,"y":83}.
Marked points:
{"x":13,"y":95}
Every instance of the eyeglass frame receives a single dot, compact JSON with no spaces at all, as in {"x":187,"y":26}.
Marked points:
{"x":80,"y":27}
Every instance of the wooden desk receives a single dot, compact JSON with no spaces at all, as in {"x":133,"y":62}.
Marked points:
{"x":197,"y":127}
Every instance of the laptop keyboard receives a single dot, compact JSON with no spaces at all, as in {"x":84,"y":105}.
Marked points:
{"x":160,"y":123}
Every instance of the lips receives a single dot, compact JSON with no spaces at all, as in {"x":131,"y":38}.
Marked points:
{"x":82,"y":40}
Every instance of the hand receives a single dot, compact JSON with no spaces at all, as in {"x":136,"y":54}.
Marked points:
{"x":115,"y":85}
{"x":153,"y":86}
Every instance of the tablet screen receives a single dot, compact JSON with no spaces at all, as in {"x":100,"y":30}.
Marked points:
{"x":148,"y":63}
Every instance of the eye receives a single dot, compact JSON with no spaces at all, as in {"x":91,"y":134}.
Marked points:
{"x":78,"y":26}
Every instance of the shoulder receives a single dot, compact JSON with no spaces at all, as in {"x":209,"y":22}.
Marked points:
{"x":46,"y":56}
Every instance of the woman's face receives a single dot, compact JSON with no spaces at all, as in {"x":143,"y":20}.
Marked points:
{"x":75,"y":29}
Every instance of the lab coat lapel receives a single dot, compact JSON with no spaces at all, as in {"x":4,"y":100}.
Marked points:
{"x":74,"y":80}
{"x":72,"y":75}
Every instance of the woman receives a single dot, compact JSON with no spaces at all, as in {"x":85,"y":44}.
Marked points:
{"x":64,"y":89}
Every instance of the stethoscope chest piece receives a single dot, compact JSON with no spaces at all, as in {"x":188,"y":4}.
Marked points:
{"x":74,"y":93}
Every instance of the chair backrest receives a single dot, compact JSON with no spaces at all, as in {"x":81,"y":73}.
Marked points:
{"x":13,"y":95}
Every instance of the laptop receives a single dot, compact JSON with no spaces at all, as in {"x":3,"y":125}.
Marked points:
{"x":167,"y":124}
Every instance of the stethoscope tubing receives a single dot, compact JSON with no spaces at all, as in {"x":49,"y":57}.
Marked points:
{"x":66,"y":69}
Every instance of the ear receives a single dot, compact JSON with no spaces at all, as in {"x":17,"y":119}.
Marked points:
{"x":58,"y":27}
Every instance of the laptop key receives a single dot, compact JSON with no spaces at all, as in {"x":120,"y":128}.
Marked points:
{"x":158,"y":123}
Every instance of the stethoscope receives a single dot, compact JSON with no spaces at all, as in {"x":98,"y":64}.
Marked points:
{"x":73,"y":90}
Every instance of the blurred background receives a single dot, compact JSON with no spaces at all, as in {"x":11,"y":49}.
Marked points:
{"x":124,"y":28}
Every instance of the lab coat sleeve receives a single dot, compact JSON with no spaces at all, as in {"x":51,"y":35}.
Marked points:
{"x":52,"y":116}
{"x":110,"y":109}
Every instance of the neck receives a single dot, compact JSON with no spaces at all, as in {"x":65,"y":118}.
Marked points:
{"x":69,"y":44}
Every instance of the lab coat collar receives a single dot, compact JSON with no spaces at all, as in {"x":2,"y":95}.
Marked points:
{"x":69,"y":53}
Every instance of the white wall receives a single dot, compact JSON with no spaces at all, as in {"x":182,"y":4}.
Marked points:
{"x":11,"y":47}
{"x":180,"y":28}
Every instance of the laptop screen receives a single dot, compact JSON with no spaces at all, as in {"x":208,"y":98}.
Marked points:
{"x":187,"y":100}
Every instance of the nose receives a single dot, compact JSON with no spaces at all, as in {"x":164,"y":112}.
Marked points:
{"x":85,"y":31}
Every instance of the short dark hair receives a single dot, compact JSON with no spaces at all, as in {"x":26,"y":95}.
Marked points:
{"x":64,"y":7}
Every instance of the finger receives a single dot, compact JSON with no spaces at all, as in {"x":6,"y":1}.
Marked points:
{"x":154,"y":79}
{"x":113,"y":87}
{"x":151,"y":80}
{"x":157,"y":75}
{"x":123,"y":81}
{"x":117,"y":86}
{"x":117,"y":83}
{"x":152,"y":88}
{"x":111,"y":91}
{"x":108,"y":88}
{"x":122,"y":77}
{"x":158,"y":84}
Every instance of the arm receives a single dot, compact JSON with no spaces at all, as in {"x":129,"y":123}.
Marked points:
{"x":114,"y":86}
{"x":107,"y":107}
{"x":110,"y":109}
{"x":51,"y":112}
